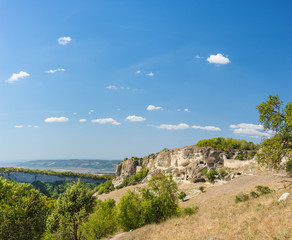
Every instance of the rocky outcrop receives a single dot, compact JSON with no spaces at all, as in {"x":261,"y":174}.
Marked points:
{"x":184,"y":163}
{"x":30,"y":178}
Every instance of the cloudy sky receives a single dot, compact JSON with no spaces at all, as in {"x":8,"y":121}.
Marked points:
{"x":113,"y":79}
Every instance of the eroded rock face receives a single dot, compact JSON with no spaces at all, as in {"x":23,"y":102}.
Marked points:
{"x":183,"y":163}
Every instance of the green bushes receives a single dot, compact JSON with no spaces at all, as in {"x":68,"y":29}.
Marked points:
{"x":189,"y":211}
{"x":134,"y":179}
{"x":211,"y":175}
{"x":242,"y":197}
{"x":105,"y":187}
{"x":227,"y":144}
{"x":182,"y":195}
{"x":239,"y":157}
{"x":260,"y":190}
{"x":289,"y":166}
{"x":102,"y":222}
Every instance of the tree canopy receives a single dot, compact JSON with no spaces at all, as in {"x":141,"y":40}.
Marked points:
{"x":276,"y":118}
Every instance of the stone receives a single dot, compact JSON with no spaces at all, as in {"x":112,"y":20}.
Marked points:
{"x":196,"y":180}
{"x":283,"y":196}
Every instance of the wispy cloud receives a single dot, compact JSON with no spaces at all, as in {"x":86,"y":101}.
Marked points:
{"x":138,"y":72}
{"x":83,"y":120}
{"x":113,"y":87}
{"x":55,"y":70}
{"x":91,"y":111}
{"x":187,"y":110}
{"x":250,"y":129}
{"x":106,"y":120}
{"x":64,"y":40}
{"x":180,"y":126}
{"x":152,"y":107}
{"x":19,"y":126}
{"x":208,"y":128}
{"x":198,"y":57}
{"x":56,"y":119}
{"x":151,"y":74}
{"x":16,"y":76}
{"x":134,"y":118}
{"x":218,"y":59}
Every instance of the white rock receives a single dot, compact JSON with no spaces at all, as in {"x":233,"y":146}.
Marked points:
{"x":284,"y":196}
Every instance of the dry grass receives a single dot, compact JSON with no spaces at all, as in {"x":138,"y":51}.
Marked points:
{"x":219,"y":216}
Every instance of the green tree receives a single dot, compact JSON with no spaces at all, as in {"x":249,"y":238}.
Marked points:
{"x":102,"y":222}
{"x":23,"y":211}
{"x":72,"y":209}
{"x":277,"y":119}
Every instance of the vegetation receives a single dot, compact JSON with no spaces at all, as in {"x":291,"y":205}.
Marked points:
{"x":263,"y":190}
{"x":54,"y":190}
{"x":105,"y":187}
{"x":71,"y":210}
{"x":227,"y":144}
{"x":242,"y":197}
{"x":260,"y":190}
{"x":189,"y":211}
{"x":202,"y":189}
{"x":23,"y":211}
{"x":60,"y":174}
{"x":277,"y":119}
{"x":182,"y":196}
{"x":134,"y":179}
{"x":211,"y":174}
{"x":102,"y":222}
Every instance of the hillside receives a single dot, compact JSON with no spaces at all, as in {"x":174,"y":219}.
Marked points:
{"x":72,"y":165}
{"x":219,"y":217}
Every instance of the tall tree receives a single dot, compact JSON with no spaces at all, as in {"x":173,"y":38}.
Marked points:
{"x":278,"y":120}
{"x":72,"y":209}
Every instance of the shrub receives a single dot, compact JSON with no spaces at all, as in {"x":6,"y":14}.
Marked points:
{"x":222,"y":173}
{"x":264,"y":189}
{"x":182,"y":195}
{"x":102,"y":222}
{"x":211,"y":175}
{"x":254,"y":194}
{"x":130,"y":211}
{"x":105,"y":187}
{"x":202,"y":188}
{"x":190,"y":211}
{"x":239,"y":157}
{"x":204,"y":171}
{"x":241,"y":197}
{"x":289,"y":166}
{"x":134,"y":179}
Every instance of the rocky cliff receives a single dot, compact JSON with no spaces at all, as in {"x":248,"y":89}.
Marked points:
{"x":30,"y":178}
{"x":184,"y":163}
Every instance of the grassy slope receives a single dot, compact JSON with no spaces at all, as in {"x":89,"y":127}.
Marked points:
{"x":219,"y":216}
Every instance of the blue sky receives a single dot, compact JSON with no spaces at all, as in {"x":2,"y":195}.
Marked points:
{"x":200,"y":67}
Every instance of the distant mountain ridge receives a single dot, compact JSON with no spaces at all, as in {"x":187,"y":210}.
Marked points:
{"x":73,"y":165}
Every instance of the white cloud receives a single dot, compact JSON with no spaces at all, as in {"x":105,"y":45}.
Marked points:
{"x":180,"y":126}
{"x":151,"y":74}
{"x":152,"y":107}
{"x":36,"y":126}
{"x":198,"y":57}
{"x":250,"y":129}
{"x":187,"y":110}
{"x":91,"y":111}
{"x":30,"y":126}
{"x":64,"y":40}
{"x":138,"y":72}
{"x":19,"y":126}
{"x":134,"y":118}
{"x":112,"y":87}
{"x":56,"y":119}
{"x":55,"y":70}
{"x":208,"y":128}
{"x":218,"y":59}
{"x":106,"y":120}
{"x":16,"y":76}
{"x":83,"y":120}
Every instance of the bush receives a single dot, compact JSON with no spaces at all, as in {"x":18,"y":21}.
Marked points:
{"x":254,"y":194}
{"x":105,"y":187}
{"x":239,"y":157}
{"x":130,"y":211}
{"x":190,"y":211}
{"x":264,"y":189}
{"x":289,"y":166}
{"x":182,"y":195}
{"x":211,"y":175}
{"x":102,"y":222}
{"x":222,"y":173}
{"x":134,"y":179}
{"x":204,"y":171}
{"x":241,"y":197}
{"x":202,"y":188}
